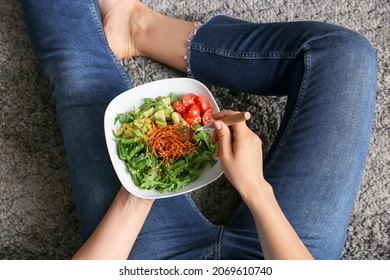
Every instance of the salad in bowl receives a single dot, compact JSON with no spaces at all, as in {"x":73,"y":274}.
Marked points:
{"x":148,"y":152}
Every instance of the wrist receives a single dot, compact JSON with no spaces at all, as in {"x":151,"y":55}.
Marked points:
{"x":130,"y":202}
{"x":257,"y":194}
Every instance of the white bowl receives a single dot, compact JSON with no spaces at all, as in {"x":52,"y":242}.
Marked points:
{"x":133,"y":98}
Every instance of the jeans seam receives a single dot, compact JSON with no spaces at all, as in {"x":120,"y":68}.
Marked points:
{"x":240,"y":54}
{"x":307,"y":68}
{"x":103,"y":39}
{"x":218,"y":244}
{"x":214,"y":250}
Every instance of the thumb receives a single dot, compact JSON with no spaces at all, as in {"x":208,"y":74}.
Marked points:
{"x":224,"y":139}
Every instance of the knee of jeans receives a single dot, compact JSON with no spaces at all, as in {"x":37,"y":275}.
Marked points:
{"x":353,"y":50}
{"x":351,"y":61}
{"x":82,"y":79}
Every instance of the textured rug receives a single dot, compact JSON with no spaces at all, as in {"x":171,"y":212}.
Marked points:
{"x":37,"y":212}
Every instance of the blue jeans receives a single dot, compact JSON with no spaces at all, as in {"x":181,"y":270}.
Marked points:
{"x":315,"y":163}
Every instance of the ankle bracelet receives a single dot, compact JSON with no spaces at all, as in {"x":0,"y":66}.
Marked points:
{"x":192,"y":34}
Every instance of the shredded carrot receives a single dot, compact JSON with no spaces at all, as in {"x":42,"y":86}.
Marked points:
{"x":167,"y":142}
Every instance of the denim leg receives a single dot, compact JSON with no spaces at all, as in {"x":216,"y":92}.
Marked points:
{"x":316,"y":161}
{"x":176,"y":230}
{"x":84,"y":76}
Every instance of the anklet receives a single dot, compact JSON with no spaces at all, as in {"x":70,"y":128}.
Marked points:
{"x":192,"y":34}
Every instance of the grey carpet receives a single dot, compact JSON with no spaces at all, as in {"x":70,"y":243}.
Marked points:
{"x":37,"y":212}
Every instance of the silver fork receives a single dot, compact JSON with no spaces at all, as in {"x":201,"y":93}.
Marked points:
{"x":188,"y":132}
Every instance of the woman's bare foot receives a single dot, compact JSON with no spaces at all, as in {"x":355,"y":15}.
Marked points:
{"x":133,"y":29}
{"x":118,"y":23}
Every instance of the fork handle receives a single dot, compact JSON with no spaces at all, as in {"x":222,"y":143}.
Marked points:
{"x":229,"y":120}
{"x":236,"y":118}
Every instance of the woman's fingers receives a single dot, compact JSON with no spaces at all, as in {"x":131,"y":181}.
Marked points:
{"x":224,"y":140}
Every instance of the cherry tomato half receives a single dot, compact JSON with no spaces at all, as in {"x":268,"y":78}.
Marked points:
{"x":188,"y":99}
{"x":207,"y":116}
{"x":179,"y":107}
{"x":202,"y":102}
{"x":191,"y":121}
{"x":193,"y":112}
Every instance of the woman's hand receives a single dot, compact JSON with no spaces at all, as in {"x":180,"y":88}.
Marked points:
{"x":241,"y":156}
{"x":240,"y":151}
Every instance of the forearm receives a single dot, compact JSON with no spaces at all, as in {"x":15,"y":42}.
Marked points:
{"x":277,"y":237}
{"x":116,"y":233}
